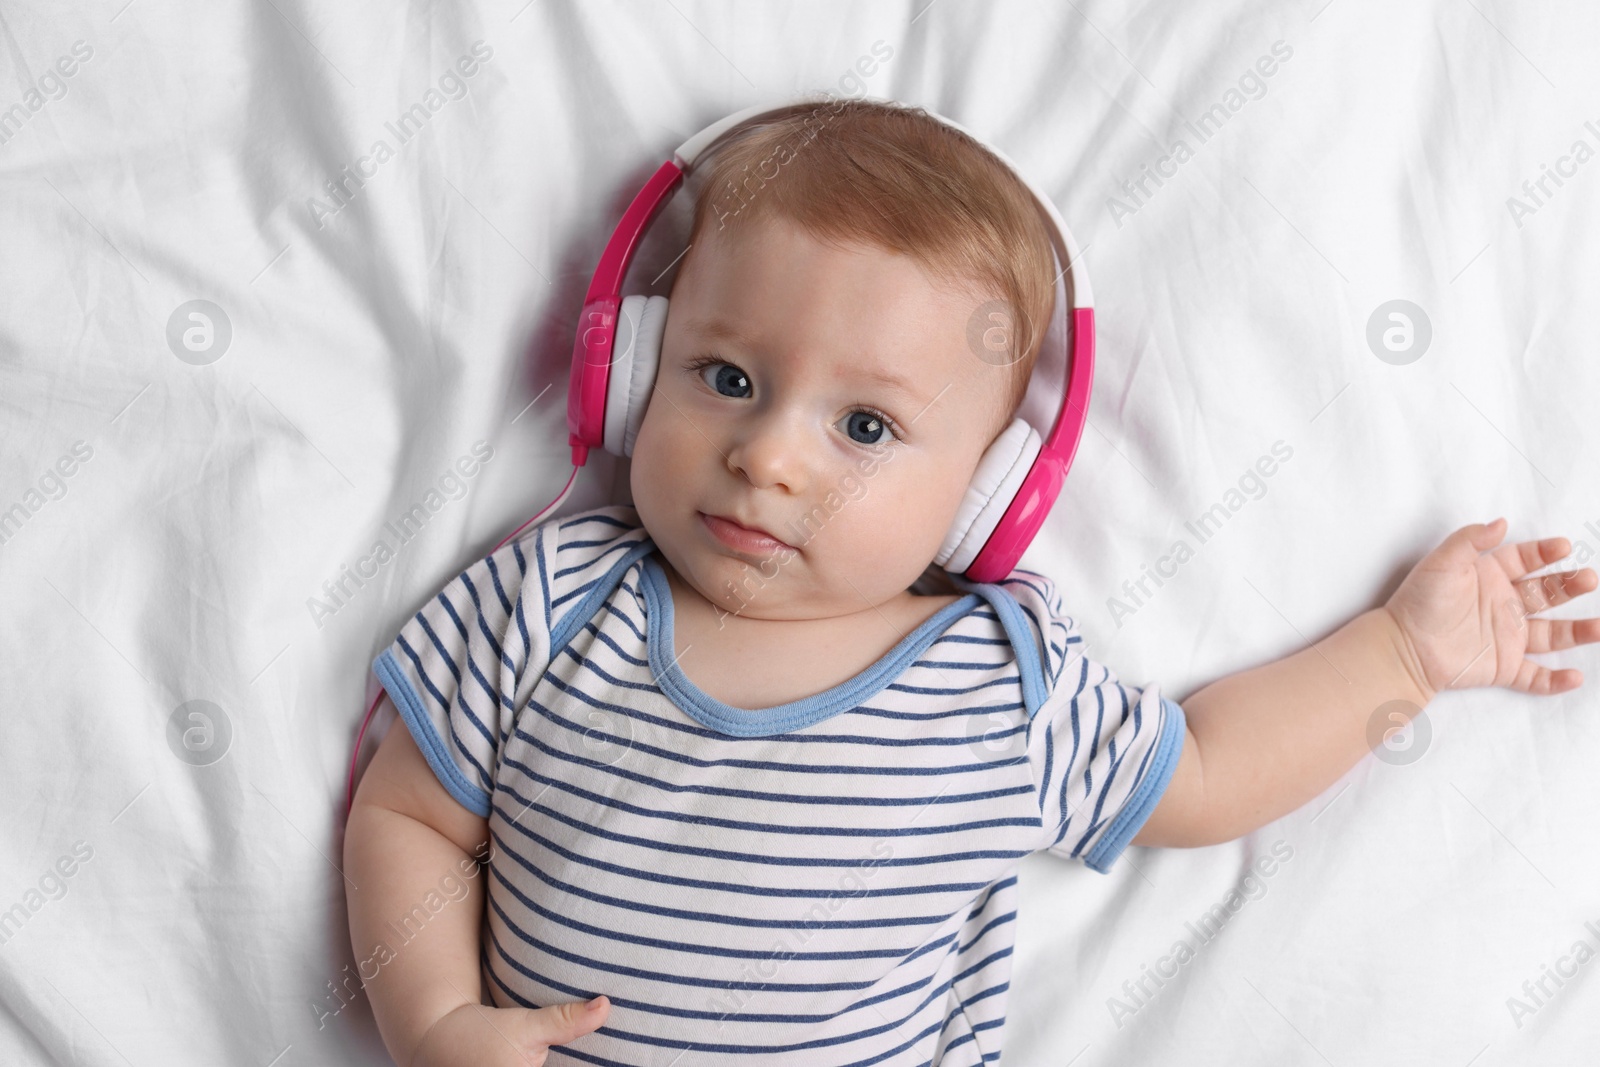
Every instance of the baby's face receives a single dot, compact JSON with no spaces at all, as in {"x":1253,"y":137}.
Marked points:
{"x":776,"y":428}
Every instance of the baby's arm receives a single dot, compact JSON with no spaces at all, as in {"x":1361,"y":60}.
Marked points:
{"x":405,"y":835}
{"x":1264,"y":741}
{"x":1273,"y":737}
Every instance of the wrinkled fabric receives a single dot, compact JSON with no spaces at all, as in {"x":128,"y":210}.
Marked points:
{"x":287,"y":298}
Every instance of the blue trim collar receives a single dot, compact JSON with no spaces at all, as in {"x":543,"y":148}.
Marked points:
{"x":765,"y":722}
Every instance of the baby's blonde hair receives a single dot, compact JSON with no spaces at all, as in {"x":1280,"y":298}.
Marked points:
{"x":893,"y":176}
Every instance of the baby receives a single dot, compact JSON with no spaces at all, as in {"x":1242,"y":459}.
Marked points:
{"x":735,"y":760}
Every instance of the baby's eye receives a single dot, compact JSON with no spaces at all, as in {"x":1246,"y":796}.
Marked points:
{"x":725,"y":377}
{"x":869,"y":425}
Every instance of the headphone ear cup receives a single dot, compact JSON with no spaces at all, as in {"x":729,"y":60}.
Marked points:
{"x":636,"y":353}
{"x":994,"y":486}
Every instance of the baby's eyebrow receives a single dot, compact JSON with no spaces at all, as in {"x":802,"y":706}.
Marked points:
{"x":888,"y":380}
{"x":718,"y":330}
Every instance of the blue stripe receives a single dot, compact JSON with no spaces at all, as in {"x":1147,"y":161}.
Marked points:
{"x":935,"y":716}
{"x":499,"y":587}
{"x":969,"y":639}
{"x":544,"y":577}
{"x":607,"y":519}
{"x":1077,"y":737}
{"x":926,"y":690}
{"x":556,"y":602}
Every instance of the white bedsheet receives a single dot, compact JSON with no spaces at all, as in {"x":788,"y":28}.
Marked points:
{"x":167,"y":912}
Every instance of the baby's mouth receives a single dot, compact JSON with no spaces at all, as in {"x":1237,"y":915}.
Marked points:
{"x":743,"y":538}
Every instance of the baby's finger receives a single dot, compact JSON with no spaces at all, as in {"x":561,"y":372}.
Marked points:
{"x":1548,"y":590}
{"x":557,"y":1024}
{"x":1466,"y":544}
{"x":1542,"y":681}
{"x":1554,"y":635}
{"x":1524,"y":556}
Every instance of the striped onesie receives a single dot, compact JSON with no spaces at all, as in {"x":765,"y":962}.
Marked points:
{"x":828,"y":881}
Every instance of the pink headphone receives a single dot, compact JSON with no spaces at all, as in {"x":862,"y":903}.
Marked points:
{"x":1015,"y":484}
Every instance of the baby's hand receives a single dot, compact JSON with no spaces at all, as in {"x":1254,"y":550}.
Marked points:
{"x":476,"y":1036}
{"x":1467,"y":616}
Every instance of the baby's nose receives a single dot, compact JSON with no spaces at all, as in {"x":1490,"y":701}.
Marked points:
{"x":772,"y":454}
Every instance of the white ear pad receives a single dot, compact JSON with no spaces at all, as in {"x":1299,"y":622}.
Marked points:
{"x":994,"y":486}
{"x":636,"y":352}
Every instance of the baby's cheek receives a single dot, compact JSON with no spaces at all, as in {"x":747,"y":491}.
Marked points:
{"x":852,"y":486}
{"x":644,"y":475}
{"x":652,"y":445}
{"x":904,"y":508}
{"x":938,"y":497}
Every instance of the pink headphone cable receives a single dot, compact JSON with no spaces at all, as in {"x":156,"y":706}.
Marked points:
{"x":350,"y":787}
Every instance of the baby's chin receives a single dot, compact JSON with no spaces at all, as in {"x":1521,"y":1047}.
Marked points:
{"x":795,"y":598}
{"x":732,"y":586}
{"x":753,"y":591}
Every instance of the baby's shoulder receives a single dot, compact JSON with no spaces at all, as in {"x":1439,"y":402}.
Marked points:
{"x":1053,"y":632}
{"x":1032,"y":590}
{"x":572,"y":552}
{"x":596,"y":528}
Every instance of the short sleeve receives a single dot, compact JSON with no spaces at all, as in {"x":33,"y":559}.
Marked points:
{"x":1102,"y":752}
{"x":457,"y":668}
